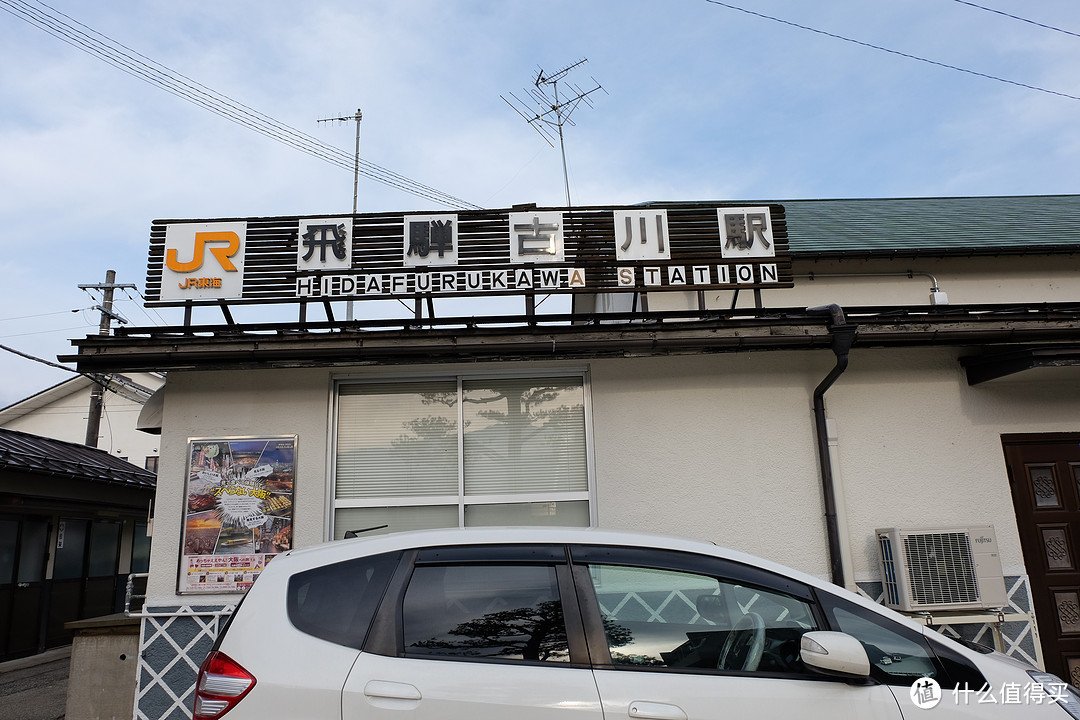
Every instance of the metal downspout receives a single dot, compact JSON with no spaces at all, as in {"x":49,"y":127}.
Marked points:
{"x":843,"y":335}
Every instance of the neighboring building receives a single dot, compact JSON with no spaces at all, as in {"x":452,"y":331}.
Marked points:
{"x":61,"y":412}
{"x":687,"y":395}
{"x":73,"y":525}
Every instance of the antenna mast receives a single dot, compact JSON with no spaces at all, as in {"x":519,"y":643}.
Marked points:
{"x":554,"y":110}
{"x":356,"y":162}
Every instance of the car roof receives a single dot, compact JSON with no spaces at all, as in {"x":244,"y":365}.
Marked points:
{"x":338,"y":550}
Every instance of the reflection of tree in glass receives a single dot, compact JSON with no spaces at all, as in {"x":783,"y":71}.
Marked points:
{"x":526,"y":404}
{"x":521,"y":411}
{"x":424,"y":429}
{"x":531,"y":633}
{"x":624,"y":659}
{"x":432,"y":427}
{"x":527,"y":415}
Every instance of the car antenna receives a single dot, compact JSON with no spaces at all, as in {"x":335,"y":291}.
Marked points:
{"x":350,"y":534}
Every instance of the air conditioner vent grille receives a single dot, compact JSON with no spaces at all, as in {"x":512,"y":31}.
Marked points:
{"x":941,"y":568}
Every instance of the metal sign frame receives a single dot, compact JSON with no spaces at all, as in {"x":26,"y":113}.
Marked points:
{"x":525,"y":250}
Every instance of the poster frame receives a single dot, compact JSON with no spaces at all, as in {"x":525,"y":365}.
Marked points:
{"x":204,"y":494}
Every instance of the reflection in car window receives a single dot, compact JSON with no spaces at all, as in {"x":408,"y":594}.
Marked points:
{"x":664,"y":618}
{"x":897,"y":656}
{"x":486,"y":612}
{"x":337,"y":602}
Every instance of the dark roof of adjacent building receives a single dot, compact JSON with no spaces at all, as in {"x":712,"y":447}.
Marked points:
{"x":926,"y":227}
{"x":934,"y":226}
{"x":23,"y":452}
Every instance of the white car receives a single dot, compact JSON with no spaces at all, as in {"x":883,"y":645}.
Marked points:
{"x":554,"y":623}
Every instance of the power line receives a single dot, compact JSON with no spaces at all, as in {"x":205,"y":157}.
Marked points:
{"x":43,"y":361}
{"x":104,"y":384}
{"x":57,"y":312}
{"x":1017,"y":17}
{"x":142,"y":307}
{"x":163,"y":77}
{"x":43,"y":332}
{"x":894,"y":52}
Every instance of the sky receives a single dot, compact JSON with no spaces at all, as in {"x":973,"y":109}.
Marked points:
{"x":700,"y":101}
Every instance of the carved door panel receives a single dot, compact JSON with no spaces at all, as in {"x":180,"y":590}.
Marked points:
{"x":1044,"y":472}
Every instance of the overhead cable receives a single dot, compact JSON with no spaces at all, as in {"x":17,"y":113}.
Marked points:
{"x":1017,"y":17}
{"x":139,"y":66}
{"x":894,"y":52}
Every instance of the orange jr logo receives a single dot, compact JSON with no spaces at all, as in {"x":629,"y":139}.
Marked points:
{"x":202,"y":239}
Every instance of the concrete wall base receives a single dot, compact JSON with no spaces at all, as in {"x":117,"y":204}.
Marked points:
{"x":104,"y":664}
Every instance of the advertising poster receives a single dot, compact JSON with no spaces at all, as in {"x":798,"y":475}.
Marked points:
{"x":239,"y":511}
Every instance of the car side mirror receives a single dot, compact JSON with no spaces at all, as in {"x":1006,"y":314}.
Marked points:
{"x":834,"y":653}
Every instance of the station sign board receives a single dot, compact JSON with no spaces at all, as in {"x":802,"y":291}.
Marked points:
{"x":674,"y":247}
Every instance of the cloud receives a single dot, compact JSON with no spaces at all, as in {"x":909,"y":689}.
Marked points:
{"x":702,"y":102}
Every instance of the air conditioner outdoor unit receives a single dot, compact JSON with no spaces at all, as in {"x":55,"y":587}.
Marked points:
{"x":941,"y":569}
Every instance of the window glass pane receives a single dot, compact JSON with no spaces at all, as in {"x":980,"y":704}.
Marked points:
{"x":32,"y":553}
{"x":488,"y":612}
{"x":104,"y":548}
{"x":337,"y":602}
{"x":397,"y":439}
{"x":663,"y":618}
{"x":897,"y":658}
{"x":140,"y":549}
{"x":70,"y":550}
{"x":524,"y":435}
{"x":563,"y":514}
{"x":397,"y":519}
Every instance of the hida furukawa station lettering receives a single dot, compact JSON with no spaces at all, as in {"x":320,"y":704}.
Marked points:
{"x":523,"y":250}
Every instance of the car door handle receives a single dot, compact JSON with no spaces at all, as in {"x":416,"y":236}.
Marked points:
{"x":655,"y":711}
{"x":392,"y":690}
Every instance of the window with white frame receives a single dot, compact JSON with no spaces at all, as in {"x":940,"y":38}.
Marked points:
{"x":459,"y":452}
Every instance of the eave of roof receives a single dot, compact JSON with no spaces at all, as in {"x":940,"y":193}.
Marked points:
{"x":596,"y":336}
{"x":34,"y":454}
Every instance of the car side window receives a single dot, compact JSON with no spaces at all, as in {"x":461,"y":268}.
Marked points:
{"x":673,"y":619}
{"x":898,"y":655}
{"x":485,"y":612}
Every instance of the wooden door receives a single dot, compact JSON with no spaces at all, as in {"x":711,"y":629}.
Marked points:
{"x":1044,"y":472}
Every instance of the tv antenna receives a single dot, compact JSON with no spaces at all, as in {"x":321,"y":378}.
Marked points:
{"x":554,"y":110}
{"x":356,"y":161}
{"x":355,"y":179}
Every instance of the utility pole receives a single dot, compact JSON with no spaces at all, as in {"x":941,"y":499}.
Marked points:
{"x":97,"y":393}
{"x":554,"y":110}
{"x":356,"y":178}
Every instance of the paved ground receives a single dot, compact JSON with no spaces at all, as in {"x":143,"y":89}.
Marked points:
{"x":35,"y":688}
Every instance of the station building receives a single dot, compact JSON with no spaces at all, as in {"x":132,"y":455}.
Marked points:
{"x":819,"y":382}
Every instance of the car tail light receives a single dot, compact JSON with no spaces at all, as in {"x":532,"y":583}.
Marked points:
{"x":222,"y":684}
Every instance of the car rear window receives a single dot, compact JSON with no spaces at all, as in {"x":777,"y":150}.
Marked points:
{"x":337,"y":602}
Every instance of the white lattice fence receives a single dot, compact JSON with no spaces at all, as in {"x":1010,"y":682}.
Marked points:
{"x":174,"y":643}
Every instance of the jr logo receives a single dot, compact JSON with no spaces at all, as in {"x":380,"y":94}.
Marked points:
{"x":222,"y":254}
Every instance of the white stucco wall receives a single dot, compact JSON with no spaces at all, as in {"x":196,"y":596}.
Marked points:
{"x":920,"y":447}
{"x":722,"y":448}
{"x":232,"y":404}
{"x":717,"y":447}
